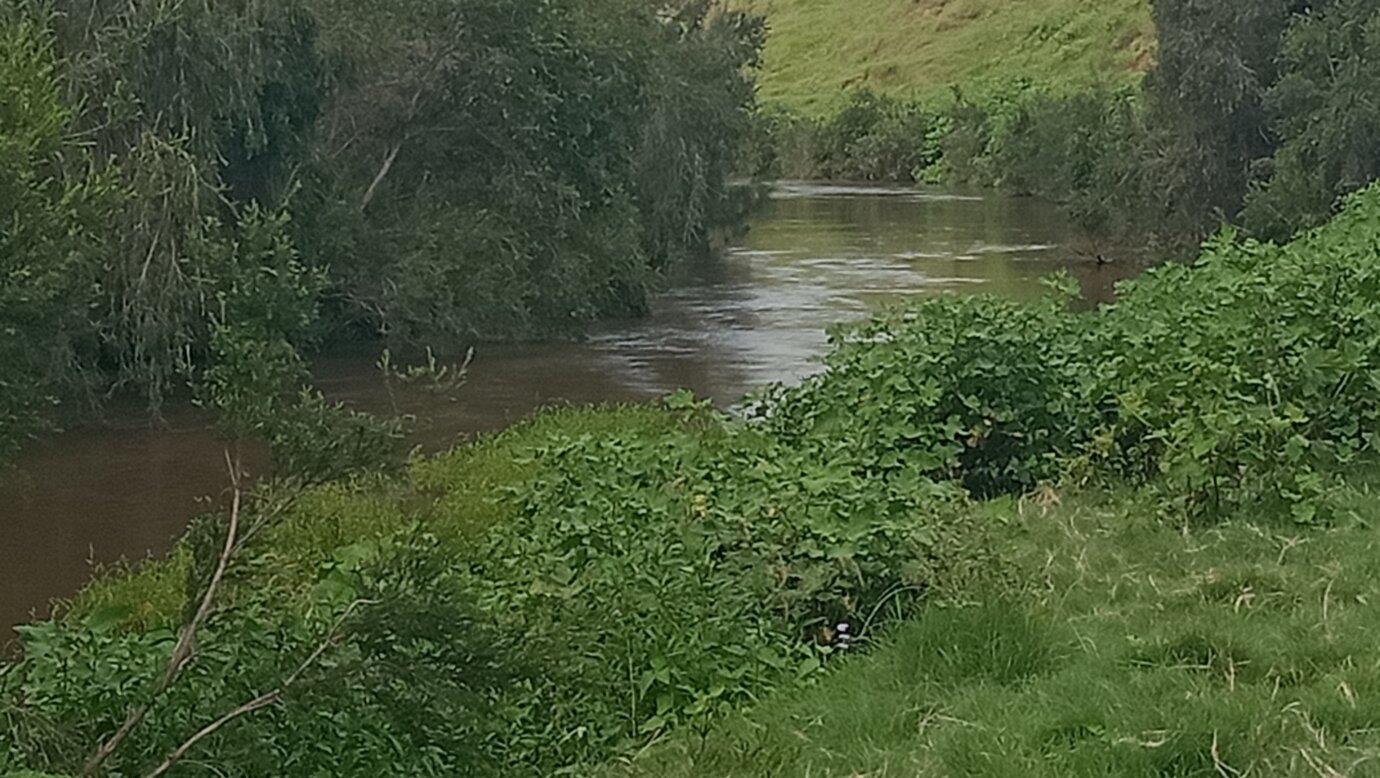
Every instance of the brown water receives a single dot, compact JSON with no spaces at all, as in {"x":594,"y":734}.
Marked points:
{"x":814,"y":255}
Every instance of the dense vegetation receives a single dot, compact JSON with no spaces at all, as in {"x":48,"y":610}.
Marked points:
{"x":433,"y":171}
{"x":579,"y":585}
{"x":1256,"y":113}
{"x":199,"y":193}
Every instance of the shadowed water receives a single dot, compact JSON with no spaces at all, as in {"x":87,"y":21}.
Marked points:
{"x":815,"y":255}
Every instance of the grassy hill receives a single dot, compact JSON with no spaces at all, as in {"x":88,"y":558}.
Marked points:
{"x":819,"y":48}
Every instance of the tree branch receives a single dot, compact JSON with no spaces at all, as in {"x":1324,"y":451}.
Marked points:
{"x":260,"y":702}
{"x":186,"y":639}
{"x":382,"y":174}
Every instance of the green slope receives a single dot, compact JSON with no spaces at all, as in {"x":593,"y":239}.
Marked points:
{"x":819,"y":48}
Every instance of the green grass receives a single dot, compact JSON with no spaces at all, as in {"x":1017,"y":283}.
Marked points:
{"x":817,"y":49}
{"x":1137,"y":650}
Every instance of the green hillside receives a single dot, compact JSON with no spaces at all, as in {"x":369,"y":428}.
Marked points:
{"x":819,"y":48}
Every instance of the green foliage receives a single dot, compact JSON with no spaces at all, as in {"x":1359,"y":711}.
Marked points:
{"x":577,"y":586}
{"x":519,"y":169}
{"x":430,"y":171}
{"x":1082,"y":150}
{"x":1244,"y":377}
{"x":264,"y":306}
{"x":669,"y":578}
{"x":1208,"y":112}
{"x":876,"y":138}
{"x":1324,"y":116}
{"x":46,"y":245}
{"x":405,"y":670}
{"x":979,"y":389}
{"x":1244,"y":374}
{"x":1134,"y":650}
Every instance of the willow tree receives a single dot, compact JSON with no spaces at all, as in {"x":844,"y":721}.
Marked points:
{"x":47,"y":248}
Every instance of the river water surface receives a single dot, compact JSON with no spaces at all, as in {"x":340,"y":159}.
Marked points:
{"x":813,"y":256}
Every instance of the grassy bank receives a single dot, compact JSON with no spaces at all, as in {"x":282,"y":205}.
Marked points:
{"x":1135,"y":649}
{"x":816,"y":51}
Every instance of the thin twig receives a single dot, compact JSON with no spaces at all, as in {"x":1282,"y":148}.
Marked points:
{"x":260,"y":702}
{"x":186,"y":639}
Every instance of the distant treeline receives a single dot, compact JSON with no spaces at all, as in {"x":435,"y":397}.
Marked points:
{"x":1261,"y":113}
{"x":191,"y":187}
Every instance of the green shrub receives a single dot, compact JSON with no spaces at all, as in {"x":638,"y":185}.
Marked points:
{"x":403,"y":685}
{"x":1251,"y":372}
{"x":46,"y":242}
{"x":975,"y":388}
{"x":1246,"y":376}
{"x":666,"y":578}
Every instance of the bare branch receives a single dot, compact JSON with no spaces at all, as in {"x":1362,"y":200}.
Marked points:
{"x":263,"y":700}
{"x":186,"y":639}
{"x":382,"y":174}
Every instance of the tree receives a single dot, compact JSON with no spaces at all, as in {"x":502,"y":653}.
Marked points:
{"x":1326,"y":106}
{"x":46,"y":246}
{"x":1208,"y":110}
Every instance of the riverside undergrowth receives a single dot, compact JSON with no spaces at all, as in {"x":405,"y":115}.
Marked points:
{"x":1132,"y":649}
{"x":571,"y":589}
{"x":558,"y":594}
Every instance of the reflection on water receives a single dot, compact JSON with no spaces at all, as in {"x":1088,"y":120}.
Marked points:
{"x":815,"y":255}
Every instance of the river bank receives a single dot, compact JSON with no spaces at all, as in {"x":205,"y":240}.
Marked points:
{"x":591,"y":581}
{"x":817,"y":254}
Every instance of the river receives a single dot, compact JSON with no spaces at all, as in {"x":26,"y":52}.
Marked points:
{"x":756,"y":313}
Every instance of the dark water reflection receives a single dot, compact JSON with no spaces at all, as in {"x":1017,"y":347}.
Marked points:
{"x":814,"y":256}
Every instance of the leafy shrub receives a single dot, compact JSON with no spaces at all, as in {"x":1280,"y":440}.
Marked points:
{"x":975,"y":388}
{"x":666,"y":578}
{"x":402,"y":684}
{"x":1246,"y":376}
{"x":876,"y":138}
{"x":46,"y":241}
{"x":1249,"y":373}
{"x":1327,"y":144}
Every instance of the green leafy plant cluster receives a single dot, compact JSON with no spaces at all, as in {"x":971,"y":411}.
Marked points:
{"x":1249,"y":373}
{"x":536,"y":603}
{"x":668,"y":579}
{"x":377,"y":664}
{"x":976,"y":389}
{"x":45,"y":241}
{"x":1241,"y":377}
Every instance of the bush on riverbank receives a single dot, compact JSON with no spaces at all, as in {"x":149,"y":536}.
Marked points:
{"x":1133,"y":649}
{"x":1245,"y":376}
